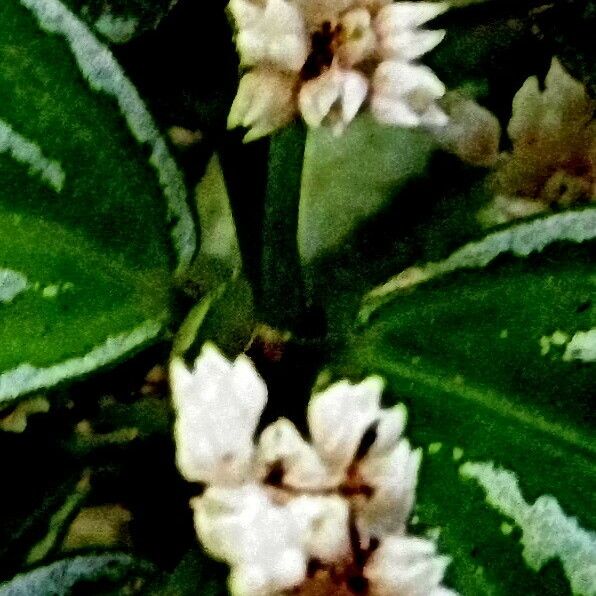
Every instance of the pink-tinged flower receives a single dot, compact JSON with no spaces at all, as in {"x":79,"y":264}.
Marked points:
{"x":323,"y":57}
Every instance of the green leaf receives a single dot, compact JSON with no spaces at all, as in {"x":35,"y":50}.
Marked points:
{"x":119,"y":21}
{"x":93,"y":214}
{"x":281,"y":271}
{"x":349,"y":178}
{"x":195,"y":574}
{"x":58,"y":522}
{"x":219,"y":255}
{"x":493,"y":353}
{"x":113,"y":571}
{"x":427,"y":220}
{"x":520,"y":240}
{"x":226,"y":316}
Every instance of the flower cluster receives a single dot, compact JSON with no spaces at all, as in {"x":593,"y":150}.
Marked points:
{"x":325,"y":59}
{"x":289,"y":516}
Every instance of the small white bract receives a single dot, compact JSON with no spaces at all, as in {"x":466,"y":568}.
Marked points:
{"x":324,"y":59}
{"x":322,"y":517}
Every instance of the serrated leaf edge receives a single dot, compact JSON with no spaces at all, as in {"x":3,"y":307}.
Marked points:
{"x":520,"y":240}
{"x":103,"y":73}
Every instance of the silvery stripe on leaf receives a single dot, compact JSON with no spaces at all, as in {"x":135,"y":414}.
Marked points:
{"x":62,"y":577}
{"x":27,"y":377}
{"x":520,"y":240}
{"x":103,"y":73}
{"x":12,"y":283}
{"x":582,"y":346}
{"x":29,"y":153}
{"x":547,"y":532}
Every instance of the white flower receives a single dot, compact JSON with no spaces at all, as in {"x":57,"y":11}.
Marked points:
{"x":406,"y":566}
{"x":264,"y":542}
{"x":274,"y":33}
{"x":270,"y":509}
{"x":393,"y":477}
{"x":264,"y":103}
{"x":320,"y":56}
{"x":339,"y":417}
{"x":359,"y":41}
{"x":326,"y":536}
{"x":281,"y":445}
{"x":397,"y":25}
{"x":405,"y":95}
{"x":382,"y":480}
{"x":218,"y":405}
{"x":552,"y":160}
{"x":335,"y":96}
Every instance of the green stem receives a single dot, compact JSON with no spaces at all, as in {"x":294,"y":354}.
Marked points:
{"x":283,"y":298}
{"x":244,"y":167}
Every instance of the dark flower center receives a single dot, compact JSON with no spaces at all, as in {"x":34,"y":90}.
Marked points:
{"x":323,"y":44}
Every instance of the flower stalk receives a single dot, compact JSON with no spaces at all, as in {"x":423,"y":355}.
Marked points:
{"x":283,"y":300}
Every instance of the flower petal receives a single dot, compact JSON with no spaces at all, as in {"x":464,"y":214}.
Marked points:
{"x":401,"y":16}
{"x":265,"y":102}
{"x":353,"y":94}
{"x":246,"y":14}
{"x":409,"y":45}
{"x":434,"y":117}
{"x":316,"y":12}
{"x":335,"y":96}
{"x":391,"y":111}
{"x":405,"y":94}
{"x":393,"y":478}
{"x":389,"y":428}
{"x":326,"y":533}
{"x":473,"y":133}
{"x":262,"y":541}
{"x":218,"y":405}
{"x":339,"y":417}
{"x":281,"y":444}
{"x":358,"y":38}
{"x":395,"y":78}
{"x":274,"y":33}
{"x":405,"y":565}
{"x":317,"y":97}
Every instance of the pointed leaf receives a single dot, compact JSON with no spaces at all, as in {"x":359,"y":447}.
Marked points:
{"x":492,"y":350}
{"x":93,"y":214}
